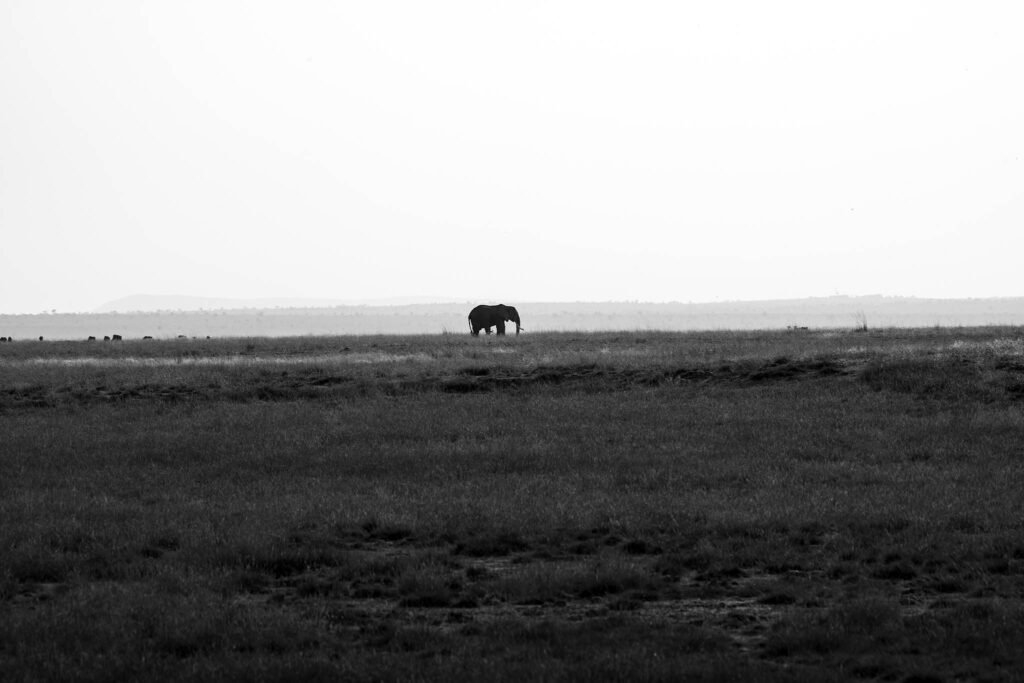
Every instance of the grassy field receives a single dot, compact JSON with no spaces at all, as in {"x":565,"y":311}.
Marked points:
{"x":792,"y":506}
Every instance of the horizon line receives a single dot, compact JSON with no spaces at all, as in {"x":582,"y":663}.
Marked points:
{"x":285,"y":303}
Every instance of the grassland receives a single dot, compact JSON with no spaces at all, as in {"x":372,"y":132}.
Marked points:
{"x":807,"y":505}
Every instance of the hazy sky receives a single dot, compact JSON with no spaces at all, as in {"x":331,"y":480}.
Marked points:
{"x":513,"y":151}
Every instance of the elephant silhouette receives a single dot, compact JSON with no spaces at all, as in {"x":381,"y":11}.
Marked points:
{"x":484,"y":317}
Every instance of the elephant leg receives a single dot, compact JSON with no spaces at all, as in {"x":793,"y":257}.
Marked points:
{"x":501,"y":327}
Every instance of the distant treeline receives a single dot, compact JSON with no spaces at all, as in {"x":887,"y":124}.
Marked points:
{"x":827,"y":312}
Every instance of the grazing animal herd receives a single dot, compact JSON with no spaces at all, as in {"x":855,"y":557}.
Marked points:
{"x":109,"y":337}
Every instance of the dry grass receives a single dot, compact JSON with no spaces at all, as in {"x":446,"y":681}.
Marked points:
{"x":718,"y":505}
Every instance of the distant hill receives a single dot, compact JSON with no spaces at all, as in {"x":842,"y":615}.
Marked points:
{"x":141,"y":303}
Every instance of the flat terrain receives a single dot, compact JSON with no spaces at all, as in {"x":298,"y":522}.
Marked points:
{"x":821,"y":312}
{"x":788,"y":505}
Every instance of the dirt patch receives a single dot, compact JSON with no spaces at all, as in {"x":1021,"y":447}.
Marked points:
{"x":457,"y":588}
{"x":786,"y":369}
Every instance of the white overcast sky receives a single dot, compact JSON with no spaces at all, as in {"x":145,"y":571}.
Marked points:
{"x":522,"y":151}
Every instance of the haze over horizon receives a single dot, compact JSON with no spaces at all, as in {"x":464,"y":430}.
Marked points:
{"x":561,"y":151}
{"x":154,"y":303}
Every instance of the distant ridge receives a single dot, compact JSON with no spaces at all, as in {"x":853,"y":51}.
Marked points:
{"x":145,"y":303}
{"x":151,"y":303}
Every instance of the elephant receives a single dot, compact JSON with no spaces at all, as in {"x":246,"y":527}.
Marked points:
{"x":483,"y":317}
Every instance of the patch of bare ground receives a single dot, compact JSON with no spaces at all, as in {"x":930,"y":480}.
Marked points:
{"x":766,"y":610}
{"x":485,"y":590}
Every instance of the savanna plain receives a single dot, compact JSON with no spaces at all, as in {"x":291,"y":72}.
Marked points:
{"x":799,"y":505}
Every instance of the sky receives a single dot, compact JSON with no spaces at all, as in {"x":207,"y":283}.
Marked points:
{"x":509,"y":151}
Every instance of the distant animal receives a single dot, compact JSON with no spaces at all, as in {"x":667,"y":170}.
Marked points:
{"x":40,"y":337}
{"x":182,"y":336}
{"x":484,"y":317}
{"x":91,"y":338}
{"x":116,"y":337}
{"x":3,"y":339}
{"x":106,"y":338}
{"x":147,"y":337}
